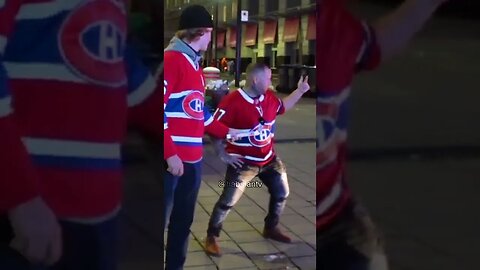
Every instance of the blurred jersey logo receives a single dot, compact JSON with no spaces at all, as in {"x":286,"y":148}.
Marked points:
{"x":332,"y":115}
{"x":92,"y":42}
{"x":193,"y":105}
{"x":261,"y":138}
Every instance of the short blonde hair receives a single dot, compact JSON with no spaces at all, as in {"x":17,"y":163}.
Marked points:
{"x":254,"y":68}
{"x":191,"y":34}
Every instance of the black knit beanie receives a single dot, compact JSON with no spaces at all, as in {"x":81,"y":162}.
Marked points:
{"x":195,"y":16}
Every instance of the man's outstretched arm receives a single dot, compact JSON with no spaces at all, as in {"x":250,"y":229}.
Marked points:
{"x":395,"y":30}
{"x":292,"y":99}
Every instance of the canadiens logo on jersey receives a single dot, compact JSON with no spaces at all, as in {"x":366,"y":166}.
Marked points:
{"x":264,"y":137}
{"x":92,"y":41}
{"x":193,"y":105}
{"x":332,"y":110}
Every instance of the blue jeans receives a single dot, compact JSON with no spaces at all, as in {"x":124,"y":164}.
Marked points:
{"x":180,"y":198}
{"x":85,"y":246}
{"x":273,"y":175}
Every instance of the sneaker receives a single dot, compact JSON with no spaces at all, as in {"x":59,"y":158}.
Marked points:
{"x":211,"y":246}
{"x":277,"y":235}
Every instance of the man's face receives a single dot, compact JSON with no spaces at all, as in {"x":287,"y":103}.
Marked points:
{"x":204,"y":40}
{"x":263,"y":80}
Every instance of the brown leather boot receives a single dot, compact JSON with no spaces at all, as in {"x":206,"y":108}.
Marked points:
{"x":211,"y":246}
{"x":277,"y":235}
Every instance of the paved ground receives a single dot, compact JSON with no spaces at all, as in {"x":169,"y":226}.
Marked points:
{"x":415,"y":147}
{"x":241,"y":241}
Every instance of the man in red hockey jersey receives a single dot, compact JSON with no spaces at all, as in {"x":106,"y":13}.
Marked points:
{"x":253,"y":110}
{"x":346,"y":236}
{"x":68,"y":82}
{"x":185,"y":122}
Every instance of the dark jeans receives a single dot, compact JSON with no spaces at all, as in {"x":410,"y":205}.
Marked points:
{"x":85,"y":246}
{"x":273,"y":175}
{"x":349,"y":243}
{"x":180,"y":198}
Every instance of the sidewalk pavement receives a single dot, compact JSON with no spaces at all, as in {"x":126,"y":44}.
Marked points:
{"x":241,"y":241}
{"x":427,"y":209}
{"x":419,"y":166}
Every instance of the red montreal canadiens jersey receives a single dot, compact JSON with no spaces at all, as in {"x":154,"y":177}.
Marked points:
{"x":238,"y":110}
{"x":344,"y":46}
{"x":185,"y":119}
{"x":66,"y":81}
